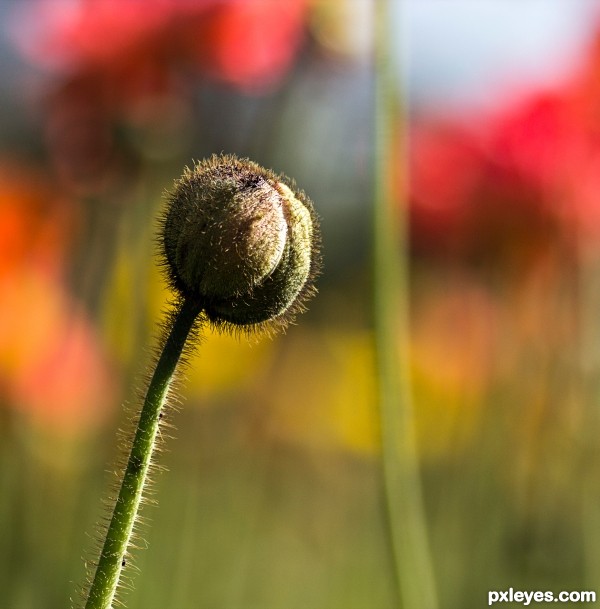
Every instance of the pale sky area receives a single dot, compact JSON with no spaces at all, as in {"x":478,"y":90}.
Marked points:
{"x":461,"y":51}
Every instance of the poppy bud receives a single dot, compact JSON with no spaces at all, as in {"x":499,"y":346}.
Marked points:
{"x":241,"y":241}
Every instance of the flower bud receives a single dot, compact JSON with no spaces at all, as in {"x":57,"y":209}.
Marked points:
{"x":241,"y":240}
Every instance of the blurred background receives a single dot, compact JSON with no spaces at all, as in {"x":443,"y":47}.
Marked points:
{"x":274,"y":498}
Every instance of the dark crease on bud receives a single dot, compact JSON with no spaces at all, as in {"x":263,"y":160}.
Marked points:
{"x":241,"y":240}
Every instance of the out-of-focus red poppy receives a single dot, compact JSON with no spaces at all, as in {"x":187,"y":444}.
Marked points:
{"x":445,"y":168}
{"x":547,"y":139}
{"x":527,"y":172}
{"x":252,"y":44}
{"x":123,"y":70}
{"x":469,"y":205}
{"x":249,"y":43}
{"x":51,"y":365}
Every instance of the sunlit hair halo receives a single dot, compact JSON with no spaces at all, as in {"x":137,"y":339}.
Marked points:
{"x":240,"y":247}
{"x":242,"y":241}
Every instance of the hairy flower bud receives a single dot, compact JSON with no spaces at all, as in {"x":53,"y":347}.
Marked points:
{"x":241,"y":240}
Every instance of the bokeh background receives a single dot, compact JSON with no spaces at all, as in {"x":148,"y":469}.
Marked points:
{"x":275,"y":497}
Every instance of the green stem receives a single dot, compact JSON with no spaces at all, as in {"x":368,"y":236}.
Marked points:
{"x":114,"y":551}
{"x":406,"y":520}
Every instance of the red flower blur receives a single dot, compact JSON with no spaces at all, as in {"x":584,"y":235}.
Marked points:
{"x":123,"y":67}
{"x":505,"y":183}
{"x":247,"y":43}
{"x":51,"y":366}
{"x":468,"y":204}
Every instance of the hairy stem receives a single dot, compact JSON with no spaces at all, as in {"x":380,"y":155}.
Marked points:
{"x":114,"y":550}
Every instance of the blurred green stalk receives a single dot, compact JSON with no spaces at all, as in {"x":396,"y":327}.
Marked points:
{"x":405,"y":512}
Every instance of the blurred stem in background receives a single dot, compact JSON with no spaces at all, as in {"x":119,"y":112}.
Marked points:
{"x":405,"y":512}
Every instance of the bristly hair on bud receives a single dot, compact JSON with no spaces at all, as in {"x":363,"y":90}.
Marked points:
{"x":240,"y":246}
{"x":241,"y":241}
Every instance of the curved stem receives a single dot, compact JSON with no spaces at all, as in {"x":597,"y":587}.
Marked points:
{"x":112,"y":557}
